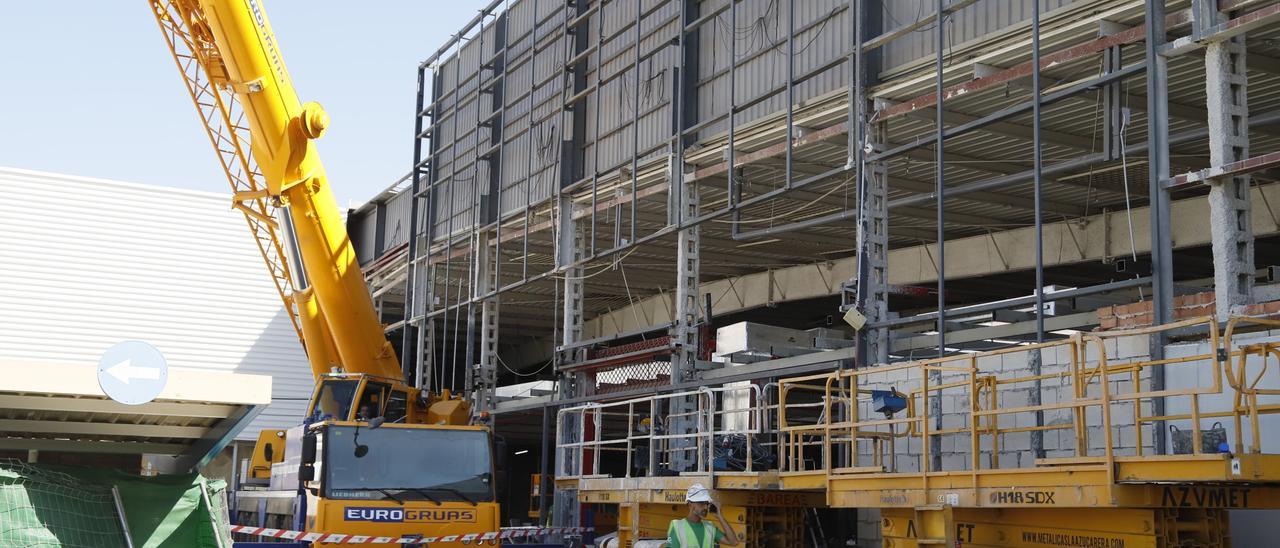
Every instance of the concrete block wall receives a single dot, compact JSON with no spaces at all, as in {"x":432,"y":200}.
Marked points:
{"x":1015,"y":448}
{"x":869,"y":527}
{"x":1252,"y":527}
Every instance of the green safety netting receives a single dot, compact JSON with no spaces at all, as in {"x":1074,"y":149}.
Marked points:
{"x":62,"y":506}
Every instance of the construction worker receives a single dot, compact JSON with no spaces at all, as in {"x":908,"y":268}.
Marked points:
{"x":694,"y":531}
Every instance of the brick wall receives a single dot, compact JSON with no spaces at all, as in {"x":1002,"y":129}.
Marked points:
{"x":1123,"y":316}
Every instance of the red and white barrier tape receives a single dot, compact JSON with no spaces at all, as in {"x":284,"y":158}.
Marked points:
{"x":337,"y":538}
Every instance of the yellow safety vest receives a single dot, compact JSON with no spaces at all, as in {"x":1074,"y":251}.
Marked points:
{"x":689,"y":539}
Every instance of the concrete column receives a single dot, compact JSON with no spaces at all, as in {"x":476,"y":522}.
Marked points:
{"x":569,"y":252}
{"x":424,"y":302}
{"x":1226,"y":86}
{"x":566,"y":510}
{"x":875,"y":253}
{"x":684,"y":359}
{"x":483,"y":377}
{"x":688,"y":264}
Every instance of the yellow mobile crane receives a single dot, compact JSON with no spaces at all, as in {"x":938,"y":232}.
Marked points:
{"x":379,"y":456}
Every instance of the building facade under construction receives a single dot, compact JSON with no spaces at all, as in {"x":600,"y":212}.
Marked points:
{"x":666,"y":211}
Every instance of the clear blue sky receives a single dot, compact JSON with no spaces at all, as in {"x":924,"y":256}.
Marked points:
{"x":89,"y":88}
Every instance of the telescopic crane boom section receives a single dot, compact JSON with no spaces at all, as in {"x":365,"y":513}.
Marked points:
{"x":234,"y":44}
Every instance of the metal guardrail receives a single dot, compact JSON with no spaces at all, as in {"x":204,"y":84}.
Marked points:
{"x":822,"y":424}
{"x":665,"y":428}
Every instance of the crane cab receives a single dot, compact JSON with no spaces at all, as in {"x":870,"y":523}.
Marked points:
{"x":363,"y":397}
{"x":359,"y":397}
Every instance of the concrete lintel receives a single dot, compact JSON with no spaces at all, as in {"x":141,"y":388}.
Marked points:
{"x":969,"y":257}
{"x":1108,"y":27}
{"x":1223,"y":31}
{"x":101,"y":428}
{"x":1256,"y":163}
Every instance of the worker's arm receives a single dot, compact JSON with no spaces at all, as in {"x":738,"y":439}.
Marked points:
{"x":730,"y":537}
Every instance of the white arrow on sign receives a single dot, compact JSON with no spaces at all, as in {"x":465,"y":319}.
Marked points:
{"x":125,"y":372}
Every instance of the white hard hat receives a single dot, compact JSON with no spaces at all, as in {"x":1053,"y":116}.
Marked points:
{"x":697,"y":493}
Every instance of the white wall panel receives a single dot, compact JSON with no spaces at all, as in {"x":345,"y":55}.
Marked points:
{"x":86,"y":263}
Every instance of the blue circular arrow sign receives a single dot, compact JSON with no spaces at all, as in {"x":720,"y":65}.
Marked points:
{"x":132,"y":372}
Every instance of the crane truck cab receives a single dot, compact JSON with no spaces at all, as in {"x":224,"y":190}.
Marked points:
{"x":380,"y":460}
{"x":398,"y":480}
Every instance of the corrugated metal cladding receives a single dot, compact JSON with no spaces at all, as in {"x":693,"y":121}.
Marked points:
{"x":532,"y":99}
{"x":980,"y":19}
{"x":645,"y":92}
{"x":533,"y":91}
{"x":397,"y":225}
{"x":365,"y":223}
{"x":88,"y":263}
{"x":363,"y":229}
{"x":757,"y":36}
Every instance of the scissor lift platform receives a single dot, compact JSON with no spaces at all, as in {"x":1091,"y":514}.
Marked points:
{"x":1204,"y":481}
{"x":599,"y":445}
{"x":1093,"y":492}
{"x":732,"y":488}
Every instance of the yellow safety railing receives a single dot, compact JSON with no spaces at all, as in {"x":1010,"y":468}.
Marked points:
{"x":975,"y":401}
{"x":842,"y":424}
{"x":1246,"y":386}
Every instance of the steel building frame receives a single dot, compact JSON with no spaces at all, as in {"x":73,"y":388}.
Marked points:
{"x":534,"y":104}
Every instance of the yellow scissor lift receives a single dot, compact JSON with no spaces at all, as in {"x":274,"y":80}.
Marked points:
{"x":1102,"y":484}
{"x":603,"y":451}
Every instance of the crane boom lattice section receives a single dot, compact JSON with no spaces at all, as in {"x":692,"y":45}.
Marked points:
{"x":224,"y":122}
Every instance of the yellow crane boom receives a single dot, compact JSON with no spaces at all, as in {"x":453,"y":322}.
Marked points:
{"x":232,"y":41}
{"x":411,"y":459}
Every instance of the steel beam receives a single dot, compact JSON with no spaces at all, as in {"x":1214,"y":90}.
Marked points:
{"x":1054,"y":323}
{"x":1008,"y":75}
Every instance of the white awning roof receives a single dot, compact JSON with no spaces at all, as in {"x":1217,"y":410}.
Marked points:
{"x":60,"y":407}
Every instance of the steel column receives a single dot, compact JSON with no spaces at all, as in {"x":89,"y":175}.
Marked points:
{"x":935,"y":404}
{"x":1037,"y":436}
{"x":688,"y":263}
{"x":483,"y":380}
{"x":1158,"y":167}
{"x":478,"y":253}
{"x":413,"y":361}
{"x":869,"y":286}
